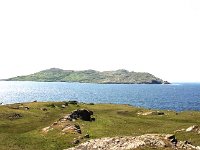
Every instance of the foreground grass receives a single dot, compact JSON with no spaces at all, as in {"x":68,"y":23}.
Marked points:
{"x":111,"y":120}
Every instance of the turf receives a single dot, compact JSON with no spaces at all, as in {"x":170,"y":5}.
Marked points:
{"x":24,"y":133}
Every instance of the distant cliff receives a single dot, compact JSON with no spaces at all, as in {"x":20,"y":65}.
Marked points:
{"x":91,"y":76}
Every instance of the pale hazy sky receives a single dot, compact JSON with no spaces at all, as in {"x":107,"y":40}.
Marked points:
{"x":161,"y":37}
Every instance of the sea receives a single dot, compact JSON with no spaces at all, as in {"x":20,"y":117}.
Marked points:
{"x":176,"y":96}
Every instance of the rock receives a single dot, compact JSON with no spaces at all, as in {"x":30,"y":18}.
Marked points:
{"x":76,"y":142}
{"x":87,"y":136}
{"x":14,"y":116}
{"x":151,"y":113}
{"x":47,"y":129}
{"x":71,"y":128}
{"x":169,"y":136}
{"x":77,"y":126}
{"x":55,"y":123}
{"x":43,"y":109}
{"x":166,"y":82}
{"x":187,"y":142}
{"x":194,"y":128}
{"x":34,"y":101}
{"x":63,"y":106}
{"x":155,"y":141}
{"x":26,"y":108}
{"x":68,"y":128}
{"x":158,"y":113}
{"x":65,"y":126}
{"x":83,"y":114}
{"x":73,"y":102}
{"x":93,"y":119}
{"x":180,"y":130}
{"x":78,"y":131}
{"x":65,"y":103}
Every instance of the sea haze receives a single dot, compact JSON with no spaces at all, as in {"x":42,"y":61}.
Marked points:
{"x":179,"y":97}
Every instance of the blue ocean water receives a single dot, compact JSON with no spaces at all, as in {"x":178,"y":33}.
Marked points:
{"x":179,"y":97}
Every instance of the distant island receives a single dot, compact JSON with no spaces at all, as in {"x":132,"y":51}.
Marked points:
{"x":120,"y":76}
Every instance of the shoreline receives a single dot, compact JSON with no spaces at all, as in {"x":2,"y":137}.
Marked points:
{"x":139,"y":107}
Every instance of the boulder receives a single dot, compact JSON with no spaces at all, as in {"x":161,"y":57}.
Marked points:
{"x":83,"y":114}
{"x":63,"y":106}
{"x":55,"y":123}
{"x":47,"y":129}
{"x":14,"y":116}
{"x":87,"y":136}
{"x":64,"y":125}
{"x":26,"y":108}
{"x":166,"y":82}
{"x":76,"y":142}
{"x":194,"y":128}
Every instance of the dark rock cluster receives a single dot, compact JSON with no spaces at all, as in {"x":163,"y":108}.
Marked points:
{"x":82,"y":114}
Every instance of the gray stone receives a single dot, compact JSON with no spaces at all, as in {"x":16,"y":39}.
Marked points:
{"x":87,"y":136}
{"x":128,"y":142}
{"x":63,"y":106}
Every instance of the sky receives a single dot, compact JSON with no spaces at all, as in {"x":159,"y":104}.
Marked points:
{"x":158,"y":36}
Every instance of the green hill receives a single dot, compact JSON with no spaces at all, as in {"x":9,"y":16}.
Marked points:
{"x":91,"y":76}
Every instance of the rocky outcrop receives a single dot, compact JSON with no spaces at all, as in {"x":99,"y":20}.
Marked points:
{"x":166,"y":82}
{"x":82,"y":114}
{"x":127,"y":143}
{"x":150,"y":113}
{"x":66,"y":123}
{"x":72,"y":128}
{"x":194,"y":128}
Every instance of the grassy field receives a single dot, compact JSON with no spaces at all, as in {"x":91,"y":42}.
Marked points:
{"x":25,"y":132}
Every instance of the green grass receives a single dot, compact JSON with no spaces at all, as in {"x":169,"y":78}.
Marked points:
{"x":111,"y":120}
